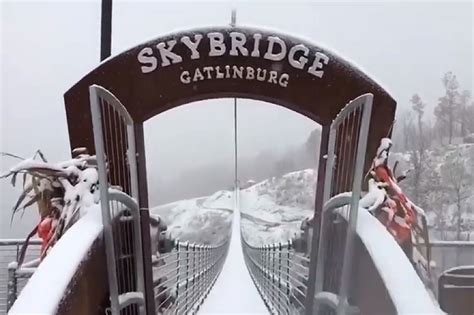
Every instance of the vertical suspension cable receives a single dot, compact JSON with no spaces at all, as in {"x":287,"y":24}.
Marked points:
{"x":233,"y":22}
{"x":236,"y":176}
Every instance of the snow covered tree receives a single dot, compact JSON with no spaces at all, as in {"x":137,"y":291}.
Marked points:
{"x":457,"y":181}
{"x":417,"y":156}
{"x":447,"y":110}
{"x":465,"y":113}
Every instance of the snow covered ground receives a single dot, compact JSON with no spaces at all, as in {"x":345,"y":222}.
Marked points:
{"x":234,"y":291}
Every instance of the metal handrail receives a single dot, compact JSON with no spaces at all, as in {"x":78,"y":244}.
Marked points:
{"x":185,"y":276}
{"x":271,"y":267}
{"x":10,"y":273}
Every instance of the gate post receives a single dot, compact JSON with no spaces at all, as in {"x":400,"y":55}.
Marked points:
{"x":318,"y":209}
{"x":12,"y":285}
{"x":144,"y":217}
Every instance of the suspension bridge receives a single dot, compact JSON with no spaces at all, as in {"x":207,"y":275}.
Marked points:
{"x":343,"y":262}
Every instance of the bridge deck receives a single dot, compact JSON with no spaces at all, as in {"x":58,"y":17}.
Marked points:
{"x":234,"y":291}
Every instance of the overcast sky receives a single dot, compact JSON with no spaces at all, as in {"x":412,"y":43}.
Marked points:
{"x":48,"y":46}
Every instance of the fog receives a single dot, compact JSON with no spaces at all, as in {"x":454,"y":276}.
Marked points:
{"x":48,"y":46}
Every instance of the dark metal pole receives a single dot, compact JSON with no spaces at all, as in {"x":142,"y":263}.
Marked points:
{"x":106,"y":29}
{"x":233,"y":21}
{"x":235,"y":145}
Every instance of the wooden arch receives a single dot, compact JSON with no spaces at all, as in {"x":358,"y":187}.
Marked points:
{"x":220,"y":62}
{"x":231,"y":62}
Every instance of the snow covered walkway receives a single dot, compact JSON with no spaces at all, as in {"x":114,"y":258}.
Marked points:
{"x":234,"y":291}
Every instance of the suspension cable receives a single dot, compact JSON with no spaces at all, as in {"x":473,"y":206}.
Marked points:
{"x":236,"y":183}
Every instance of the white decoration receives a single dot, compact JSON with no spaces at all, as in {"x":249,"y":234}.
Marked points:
{"x":166,"y":53}
{"x":216,"y":43}
{"x":319,"y":60}
{"x":270,"y":54}
{"x":301,"y":62}
{"x":148,"y":61}
{"x":238,"y":40}
{"x":256,"y":45}
{"x":192,"y":45}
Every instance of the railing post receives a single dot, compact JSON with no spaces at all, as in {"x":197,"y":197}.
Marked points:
{"x":201,"y":270}
{"x":264,"y":275}
{"x":187,"y":275}
{"x":288,"y":286}
{"x":178,"y":264}
{"x":194,"y":270}
{"x":273,"y":273}
{"x":12,"y":285}
{"x":279,"y":272}
{"x":269,"y":266}
{"x":208,"y":271}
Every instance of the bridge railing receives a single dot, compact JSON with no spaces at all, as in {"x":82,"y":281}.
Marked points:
{"x":280,"y":275}
{"x":450,"y":254}
{"x":183,"y":277}
{"x":12,"y":278}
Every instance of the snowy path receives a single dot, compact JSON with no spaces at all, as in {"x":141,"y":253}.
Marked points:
{"x":234,"y":291}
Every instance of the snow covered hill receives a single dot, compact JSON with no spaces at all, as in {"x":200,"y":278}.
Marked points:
{"x":271,"y":211}
{"x":205,"y":220}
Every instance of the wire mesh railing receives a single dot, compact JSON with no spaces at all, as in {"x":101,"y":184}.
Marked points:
{"x":280,"y":275}
{"x":12,"y":279}
{"x":183,"y":277}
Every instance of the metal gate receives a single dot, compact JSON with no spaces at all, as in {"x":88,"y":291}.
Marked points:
{"x":114,"y":140}
{"x":344,"y":170}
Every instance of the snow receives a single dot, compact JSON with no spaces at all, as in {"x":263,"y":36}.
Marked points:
{"x":234,"y":291}
{"x":48,"y":285}
{"x":382,"y":151}
{"x":273,"y":210}
{"x":130,"y":298}
{"x":405,"y":288}
{"x":13,"y":265}
{"x":31,"y":163}
{"x":374,"y":198}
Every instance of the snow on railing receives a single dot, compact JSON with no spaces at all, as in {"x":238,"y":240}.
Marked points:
{"x":397,"y":273}
{"x":184,"y":276}
{"x":280,"y":275}
{"x":39,"y":296}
